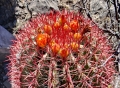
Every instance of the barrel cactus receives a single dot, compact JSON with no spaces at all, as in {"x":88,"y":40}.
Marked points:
{"x":61,"y":50}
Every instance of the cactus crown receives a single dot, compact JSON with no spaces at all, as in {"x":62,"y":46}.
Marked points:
{"x":60,"y":50}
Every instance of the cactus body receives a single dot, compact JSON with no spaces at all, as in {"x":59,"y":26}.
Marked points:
{"x":61,"y":50}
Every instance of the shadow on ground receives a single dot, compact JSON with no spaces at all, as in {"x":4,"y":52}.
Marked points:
{"x":8,"y":21}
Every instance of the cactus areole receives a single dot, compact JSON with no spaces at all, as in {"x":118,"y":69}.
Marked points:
{"x":61,"y":50}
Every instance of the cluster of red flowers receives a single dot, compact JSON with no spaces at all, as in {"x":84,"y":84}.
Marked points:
{"x":62,"y":36}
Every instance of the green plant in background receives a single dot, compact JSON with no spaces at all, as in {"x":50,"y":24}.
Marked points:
{"x":61,"y":50}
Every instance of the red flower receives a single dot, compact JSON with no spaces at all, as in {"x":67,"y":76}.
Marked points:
{"x":41,"y":40}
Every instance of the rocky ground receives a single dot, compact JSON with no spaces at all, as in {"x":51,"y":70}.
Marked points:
{"x":105,"y":13}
